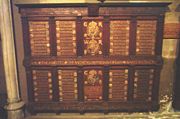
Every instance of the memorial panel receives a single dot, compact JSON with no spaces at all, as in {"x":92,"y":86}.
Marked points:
{"x":93,"y":57}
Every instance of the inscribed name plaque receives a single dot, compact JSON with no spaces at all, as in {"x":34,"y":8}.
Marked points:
{"x":143,"y":84}
{"x":118,"y":85}
{"x":146,"y":36}
{"x":39,"y":38}
{"x":119,"y":37}
{"x":67,"y":85}
{"x":42,"y":83}
{"x":66,"y":38}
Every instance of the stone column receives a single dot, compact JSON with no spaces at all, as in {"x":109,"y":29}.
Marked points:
{"x":14,"y":106}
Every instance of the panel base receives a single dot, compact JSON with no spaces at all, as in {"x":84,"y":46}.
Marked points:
{"x":83,"y":107}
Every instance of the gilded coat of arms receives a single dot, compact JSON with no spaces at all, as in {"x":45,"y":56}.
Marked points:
{"x":93,"y":39}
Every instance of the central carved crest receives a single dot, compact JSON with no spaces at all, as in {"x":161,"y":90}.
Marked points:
{"x":93,"y":37}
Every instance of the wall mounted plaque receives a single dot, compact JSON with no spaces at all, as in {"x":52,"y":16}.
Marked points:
{"x":80,"y":61}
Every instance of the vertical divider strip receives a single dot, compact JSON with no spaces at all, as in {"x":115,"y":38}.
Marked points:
{"x":52,"y":35}
{"x":159,"y":37}
{"x":132,"y":37}
{"x":105,"y":83}
{"x":80,"y":84}
{"x":26,"y":37}
{"x":30,"y":86}
{"x":79,"y":36}
{"x":55,"y":84}
{"x":155,"y":93}
{"x":106,"y":36}
{"x":131,"y":83}
{"x":27,"y":54}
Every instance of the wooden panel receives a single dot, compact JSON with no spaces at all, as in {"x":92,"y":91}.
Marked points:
{"x":119,"y":37}
{"x":118,"y":84}
{"x":146,"y":37}
{"x":66,"y":38}
{"x":61,"y":11}
{"x":42,"y":83}
{"x":67,"y":85}
{"x":112,"y":11}
{"x":143,"y":83}
{"x":93,"y":85}
{"x":39,"y":38}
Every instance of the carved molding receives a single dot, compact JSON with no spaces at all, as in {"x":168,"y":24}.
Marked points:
{"x":87,"y":62}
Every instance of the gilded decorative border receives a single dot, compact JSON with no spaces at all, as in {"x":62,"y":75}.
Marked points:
{"x":85,"y":62}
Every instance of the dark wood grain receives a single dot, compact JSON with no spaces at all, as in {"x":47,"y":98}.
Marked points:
{"x":106,"y":36}
{"x":131,"y":83}
{"x":26,"y":39}
{"x":52,"y":33}
{"x":79,"y":37}
{"x":80,"y":84}
{"x":132,"y":43}
{"x":105,"y":83}
{"x":55,"y":83}
{"x":30,"y":84}
{"x":159,"y":37}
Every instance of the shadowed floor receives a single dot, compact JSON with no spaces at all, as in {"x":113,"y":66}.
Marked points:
{"x":155,"y":115}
